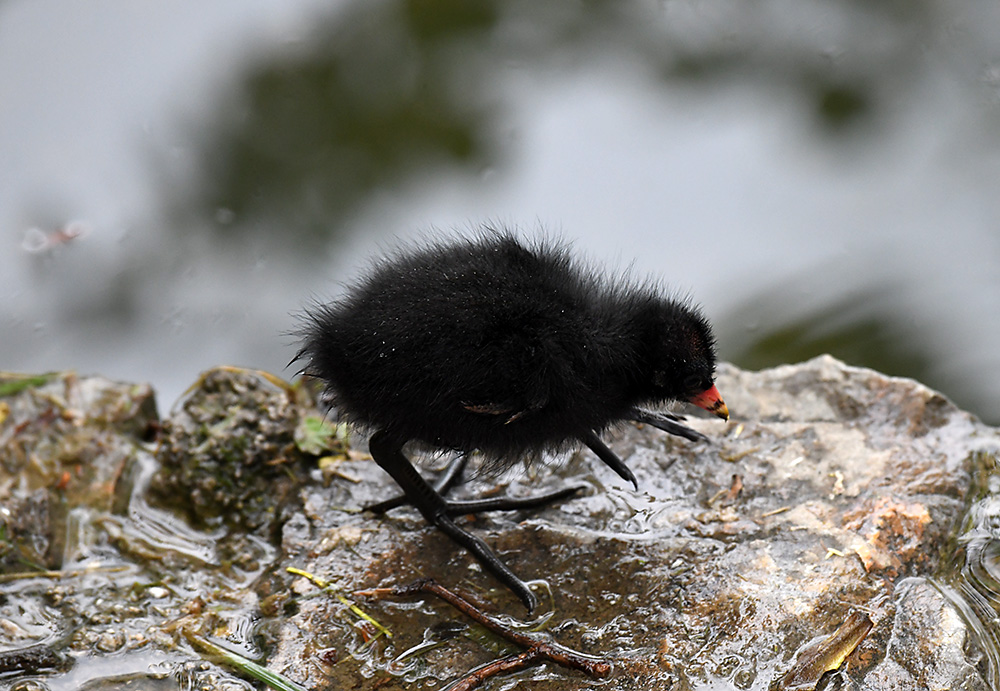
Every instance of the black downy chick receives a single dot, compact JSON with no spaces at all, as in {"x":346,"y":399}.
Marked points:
{"x":509,"y":348}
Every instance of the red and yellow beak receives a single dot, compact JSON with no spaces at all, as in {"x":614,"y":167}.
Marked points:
{"x":711,"y":400}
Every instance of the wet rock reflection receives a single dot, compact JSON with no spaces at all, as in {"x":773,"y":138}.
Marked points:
{"x":834,"y":490}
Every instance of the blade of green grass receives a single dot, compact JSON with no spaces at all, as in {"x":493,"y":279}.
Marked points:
{"x":244,"y":665}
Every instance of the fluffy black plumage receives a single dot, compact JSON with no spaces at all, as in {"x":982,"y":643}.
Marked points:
{"x":505,"y":347}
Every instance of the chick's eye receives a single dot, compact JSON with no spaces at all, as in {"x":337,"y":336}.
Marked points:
{"x":694,"y":384}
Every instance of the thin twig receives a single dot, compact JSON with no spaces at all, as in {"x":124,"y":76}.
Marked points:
{"x":538,"y":647}
{"x":511,"y":663}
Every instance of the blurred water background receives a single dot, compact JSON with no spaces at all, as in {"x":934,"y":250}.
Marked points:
{"x":177,"y":179}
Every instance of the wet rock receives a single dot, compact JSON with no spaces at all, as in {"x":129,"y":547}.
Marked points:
{"x":228,"y":454}
{"x":930,"y":645}
{"x":833,"y":489}
{"x":64,"y":442}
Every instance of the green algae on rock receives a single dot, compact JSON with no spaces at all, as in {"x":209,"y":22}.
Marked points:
{"x":228,"y":452}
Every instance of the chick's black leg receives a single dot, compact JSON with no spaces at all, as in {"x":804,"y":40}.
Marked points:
{"x":668,"y":423}
{"x":458,"y":508}
{"x":442,"y":486}
{"x":609,"y":457}
{"x":387,"y":452}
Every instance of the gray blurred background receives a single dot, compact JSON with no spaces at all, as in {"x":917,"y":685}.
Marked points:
{"x":177,"y":179}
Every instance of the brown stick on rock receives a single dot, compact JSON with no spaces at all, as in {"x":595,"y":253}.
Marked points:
{"x":538,"y":647}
